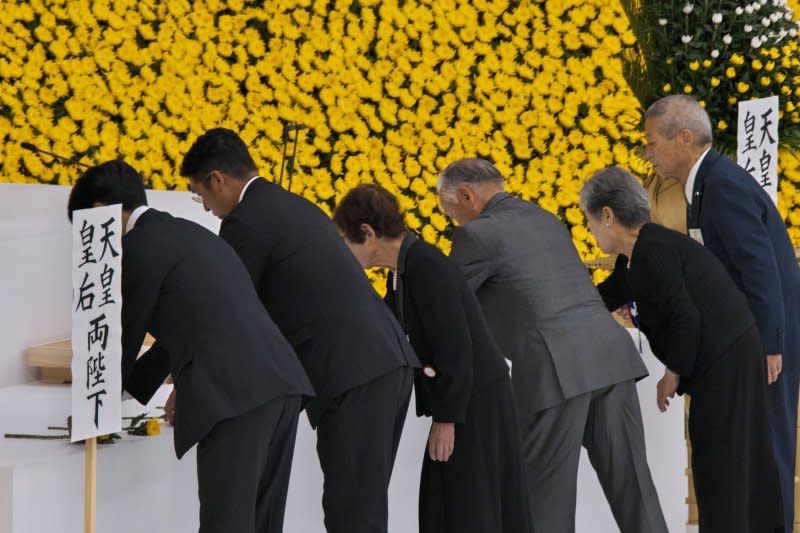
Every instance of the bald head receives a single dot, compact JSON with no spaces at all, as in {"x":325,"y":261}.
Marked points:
{"x":679,"y":112}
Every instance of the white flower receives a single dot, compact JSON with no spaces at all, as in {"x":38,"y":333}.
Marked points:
{"x":765,"y":21}
{"x":739,"y":10}
{"x":727,"y":39}
{"x":775,"y":17}
{"x":688,"y":8}
{"x":793,"y":33}
{"x":686,"y":39}
{"x":715,"y":53}
{"x":716,"y":18}
{"x":748,"y":9}
{"x":788,"y":16}
{"x":662,"y":22}
{"x":755,"y":42}
{"x":748,"y":28}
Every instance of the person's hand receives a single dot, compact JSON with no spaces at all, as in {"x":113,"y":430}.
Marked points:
{"x":774,"y":367}
{"x":169,"y":408}
{"x":624,"y":312}
{"x":666,"y":388}
{"x":441,"y":440}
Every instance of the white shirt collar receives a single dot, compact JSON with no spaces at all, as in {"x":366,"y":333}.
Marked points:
{"x":689,"y":189}
{"x":135,"y":216}
{"x":246,"y":185}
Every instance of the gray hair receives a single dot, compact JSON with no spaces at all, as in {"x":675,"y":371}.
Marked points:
{"x":616,"y":189}
{"x":676,"y":112}
{"x":473,"y":171}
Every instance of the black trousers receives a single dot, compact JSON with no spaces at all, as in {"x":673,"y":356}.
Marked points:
{"x":482,"y":487}
{"x":243,"y":468}
{"x":357,"y":439}
{"x":735,"y":475}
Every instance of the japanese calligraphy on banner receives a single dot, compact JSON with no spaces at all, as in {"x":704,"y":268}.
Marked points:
{"x":96,"y":322}
{"x":757,"y":150}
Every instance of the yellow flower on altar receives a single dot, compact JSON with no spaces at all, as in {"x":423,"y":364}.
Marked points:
{"x":742,"y":87}
{"x":707,"y":63}
{"x":764,"y":81}
{"x":412,"y":221}
{"x":715,"y":81}
{"x":757,"y":64}
{"x":667,"y":88}
{"x":730,"y":72}
{"x":722,"y":125}
{"x":732,"y":100}
{"x":429,"y":234}
{"x":694,"y":65}
{"x":574,"y":216}
{"x":737,"y":59}
{"x":687,"y":89}
{"x":153,"y":427}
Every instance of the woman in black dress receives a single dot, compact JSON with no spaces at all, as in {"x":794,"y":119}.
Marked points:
{"x":699,"y":325}
{"x":472,"y":473}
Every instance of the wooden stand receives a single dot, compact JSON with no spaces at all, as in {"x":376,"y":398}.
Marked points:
{"x":90,"y":488}
{"x":54,"y":359}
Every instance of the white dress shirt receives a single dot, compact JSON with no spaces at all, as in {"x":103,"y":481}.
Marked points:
{"x":689,"y":188}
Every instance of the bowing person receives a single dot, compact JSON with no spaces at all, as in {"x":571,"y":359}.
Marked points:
{"x":355,"y":353}
{"x":472,"y":472}
{"x":240,"y":383}
{"x":699,"y":325}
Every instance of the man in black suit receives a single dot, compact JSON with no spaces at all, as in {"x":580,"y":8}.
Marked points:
{"x":735,"y":219}
{"x":354,"y":351}
{"x":240,"y":384}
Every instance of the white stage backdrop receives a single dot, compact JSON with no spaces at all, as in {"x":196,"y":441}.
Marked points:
{"x":35,"y":286}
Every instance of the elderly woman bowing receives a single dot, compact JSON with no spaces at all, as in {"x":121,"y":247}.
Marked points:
{"x":473,"y":478}
{"x":699,"y":325}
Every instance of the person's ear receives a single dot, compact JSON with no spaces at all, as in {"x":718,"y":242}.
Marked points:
{"x":464,"y":194}
{"x":607,"y":216}
{"x":686,"y":138}
{"x":367,"y":231}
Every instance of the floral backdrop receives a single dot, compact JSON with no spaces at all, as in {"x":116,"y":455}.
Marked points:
{"x":391,"y":91}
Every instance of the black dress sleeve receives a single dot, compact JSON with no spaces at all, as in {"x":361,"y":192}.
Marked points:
{"x":436,"y":290}
{"x":657,"y":272}
{"x":614,"y":290}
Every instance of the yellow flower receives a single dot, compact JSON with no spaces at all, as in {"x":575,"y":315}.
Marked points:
{"x":742,"y":87}
{"x":667,"y":87}
{"x":722,"y":125}
{"x":687,"y":89}
{"x":730,"y":72}
{"x":706,"y":63}
{"x":715,"y":81}
{"x":732,"y":100}
{"x":153,"y":427}
{"x":694,"y":65}
{"x":737,"y":59}
{"x":756,"y":64}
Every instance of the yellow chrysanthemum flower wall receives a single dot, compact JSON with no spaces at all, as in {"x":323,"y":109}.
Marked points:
{"x":391,"y":91}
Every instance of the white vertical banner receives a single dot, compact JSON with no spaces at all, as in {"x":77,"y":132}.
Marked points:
{"x":96,"y":322}
{"x":757,"y":142}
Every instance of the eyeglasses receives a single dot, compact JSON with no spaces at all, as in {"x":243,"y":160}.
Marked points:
{"x":196,"y":197}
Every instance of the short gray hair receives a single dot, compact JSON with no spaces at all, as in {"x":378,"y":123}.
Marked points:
{"x":618,"y":190}
{"x":678,"y":111}
{"x":472,"y":170}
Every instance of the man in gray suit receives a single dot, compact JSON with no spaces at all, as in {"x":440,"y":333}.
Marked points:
{"x":573,"y":367}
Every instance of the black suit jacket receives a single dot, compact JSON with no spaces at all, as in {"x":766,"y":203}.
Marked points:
{"x":689,"y":308}
{"x":742,"y":227}
{"x":447,"y":329}
{"x":187,"y":288}
{"x":315,"y":291}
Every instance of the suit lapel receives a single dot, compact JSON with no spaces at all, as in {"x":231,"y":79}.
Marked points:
{"x":693,"y":211}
